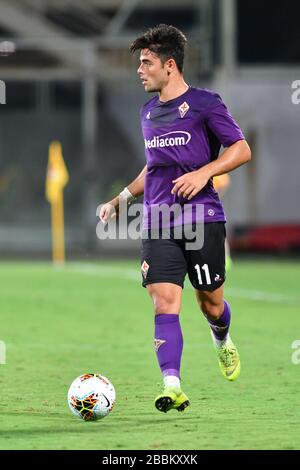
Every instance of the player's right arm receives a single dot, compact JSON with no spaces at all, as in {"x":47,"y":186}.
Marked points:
{"x":135,"y":188}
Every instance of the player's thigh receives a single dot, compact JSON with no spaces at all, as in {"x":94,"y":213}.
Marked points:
{"x":164,"y":268}
{"x":162,"y":261}
{"x":206,"y":267}
{"x":166,"y":297}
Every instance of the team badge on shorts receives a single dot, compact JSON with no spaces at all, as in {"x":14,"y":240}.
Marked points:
{"x":145,"y":268}
{"x":183,"y":109}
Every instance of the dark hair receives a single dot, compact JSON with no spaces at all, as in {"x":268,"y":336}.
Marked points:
{"x":166,"y":41}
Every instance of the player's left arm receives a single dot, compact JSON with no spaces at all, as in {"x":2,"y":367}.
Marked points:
{"x":237,"y":151}
{"x":190,"y":184}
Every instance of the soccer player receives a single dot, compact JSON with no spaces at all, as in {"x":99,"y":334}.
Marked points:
{"x":184,"y":128}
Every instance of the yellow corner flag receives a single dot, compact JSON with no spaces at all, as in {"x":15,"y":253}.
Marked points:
{"x":57,"y":173}
{"x":56,"y":179}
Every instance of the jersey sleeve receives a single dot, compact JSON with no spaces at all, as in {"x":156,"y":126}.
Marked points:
{"x":222,"y":124}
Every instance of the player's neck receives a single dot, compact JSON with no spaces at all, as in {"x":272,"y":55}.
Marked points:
{"x":173,"y":90}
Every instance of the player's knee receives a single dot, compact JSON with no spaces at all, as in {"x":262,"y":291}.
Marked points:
{"x":163,"y":301}
{"x":211,"y":310}
{"x":164,"y":304}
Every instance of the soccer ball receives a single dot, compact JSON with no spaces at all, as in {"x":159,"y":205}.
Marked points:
{"x":91,"y":397}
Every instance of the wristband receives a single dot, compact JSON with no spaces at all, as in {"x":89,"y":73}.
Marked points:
{"x":126,"y":194}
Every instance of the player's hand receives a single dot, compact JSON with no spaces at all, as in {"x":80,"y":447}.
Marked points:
{"x":190,"y":184}
{"x":107,"y":212}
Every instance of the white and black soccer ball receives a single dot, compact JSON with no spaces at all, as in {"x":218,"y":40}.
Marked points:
{"x":91,"y":397}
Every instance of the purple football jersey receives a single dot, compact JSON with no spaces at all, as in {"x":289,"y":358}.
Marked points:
{"x":182,"y":135}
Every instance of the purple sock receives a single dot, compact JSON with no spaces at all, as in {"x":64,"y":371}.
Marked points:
{"x":220,"y":327}
{"x":168,"y":343}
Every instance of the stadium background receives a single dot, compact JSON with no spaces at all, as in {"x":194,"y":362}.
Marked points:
{"x":72,"y":79}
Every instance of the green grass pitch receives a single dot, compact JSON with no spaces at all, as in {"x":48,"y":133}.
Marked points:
{"x":60,"y":323}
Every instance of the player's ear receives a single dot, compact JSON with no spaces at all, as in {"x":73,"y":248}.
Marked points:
{"x":171,"y":65}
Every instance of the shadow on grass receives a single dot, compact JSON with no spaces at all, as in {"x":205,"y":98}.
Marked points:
{"x":68,"y":426}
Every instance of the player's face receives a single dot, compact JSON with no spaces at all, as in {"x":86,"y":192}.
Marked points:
{"x":152,"y":72}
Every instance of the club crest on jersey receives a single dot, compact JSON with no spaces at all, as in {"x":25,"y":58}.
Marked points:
{"x":144,"y":268}
{"x":158,"y":343}
{"x":183,"y":109}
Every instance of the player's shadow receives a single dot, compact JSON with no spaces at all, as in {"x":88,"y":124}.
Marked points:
{"x":86,"y":428}
{"x":15,"y":433}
